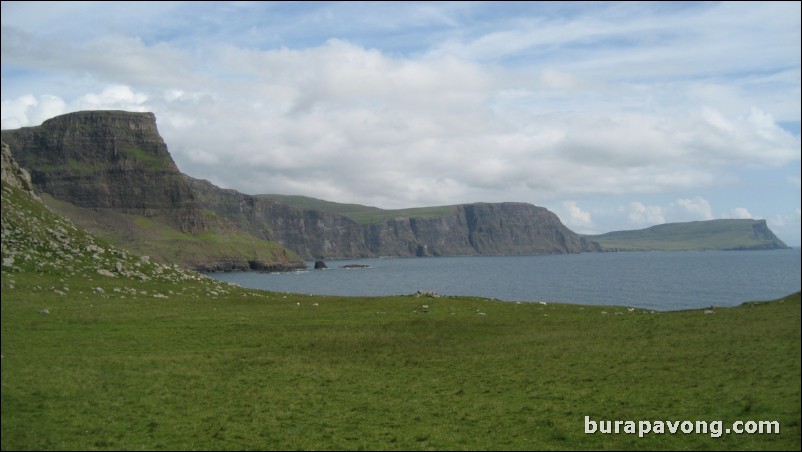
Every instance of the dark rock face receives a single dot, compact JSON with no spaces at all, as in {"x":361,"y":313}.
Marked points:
{"x":320,"y":265}
{"x":107,"y":159}
{"x":761,"y":231}
{"x":470,"y":229}
{"x":309,"y":233}
{"x":476,"y":229}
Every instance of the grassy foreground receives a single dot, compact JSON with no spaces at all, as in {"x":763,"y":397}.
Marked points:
{"x":105,"y":350}
{"x":251,"y":370}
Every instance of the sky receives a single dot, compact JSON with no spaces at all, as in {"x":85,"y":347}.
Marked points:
{"x":612,"y":115}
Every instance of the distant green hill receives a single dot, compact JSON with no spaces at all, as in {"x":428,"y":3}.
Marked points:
{"x":694,"y":235}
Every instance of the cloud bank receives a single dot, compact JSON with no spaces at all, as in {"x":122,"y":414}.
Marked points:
{"x":561,"y":110}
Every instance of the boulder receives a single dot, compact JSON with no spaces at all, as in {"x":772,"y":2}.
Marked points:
{"x":319,"y":265}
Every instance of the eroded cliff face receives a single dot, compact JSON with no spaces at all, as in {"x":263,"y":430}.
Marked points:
{"x":107,"y":160}
{"x":477,"y":229}
{"x":309,"y":233}
{"x":761,"y":231}
{"x":469,"y":229}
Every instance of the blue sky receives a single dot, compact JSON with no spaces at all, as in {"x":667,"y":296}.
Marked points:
{"x":612,"y":115}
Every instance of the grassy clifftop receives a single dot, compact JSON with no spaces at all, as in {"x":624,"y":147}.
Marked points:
{"x":359,"y":213}
{"x":695,"y":235}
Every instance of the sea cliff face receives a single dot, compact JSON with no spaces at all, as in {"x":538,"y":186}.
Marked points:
{"x":309,"y":233}
{"x":468,"y":229}
{"x":477,"y":229}
{"x":107,"y":160}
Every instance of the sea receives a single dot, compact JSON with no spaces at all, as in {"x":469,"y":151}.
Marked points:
{"x":664,"y":281}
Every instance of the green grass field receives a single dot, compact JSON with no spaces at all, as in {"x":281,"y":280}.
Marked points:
{"x":100,"y":356}
{"x":257,"y":370}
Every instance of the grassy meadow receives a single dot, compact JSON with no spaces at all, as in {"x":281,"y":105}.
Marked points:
{"x":240,"y":369}
{"x":105,"y":350}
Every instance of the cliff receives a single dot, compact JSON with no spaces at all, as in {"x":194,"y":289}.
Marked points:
{"x":320,"y":233}
{"x":312,"y":234}
{"x":107,"y":160}
{"x":112,"y":174}
{"x":476,"y":229}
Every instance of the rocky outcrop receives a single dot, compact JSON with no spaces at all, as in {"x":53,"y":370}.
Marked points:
{"x":12,"y":174}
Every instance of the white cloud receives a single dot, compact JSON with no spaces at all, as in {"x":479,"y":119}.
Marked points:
{"x":28,"y":110}
{"x":679,"y":210}
{"x":696,"y":208}
{"x":115,"y":97}
{"x":374,"y":125}
{"x":741,"y":213}
{"x":556,"y":103}
{"x":576,"y":218}
{"x":640,"y":214}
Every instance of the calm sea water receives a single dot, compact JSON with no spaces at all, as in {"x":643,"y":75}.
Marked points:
{"x":652,"y":280}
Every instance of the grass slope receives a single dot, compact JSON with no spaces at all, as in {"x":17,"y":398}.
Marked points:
{"x":694,"y":235}
{"x":158,"y":358}
{"x":160,"y":239}
{"x":359,"y":213}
